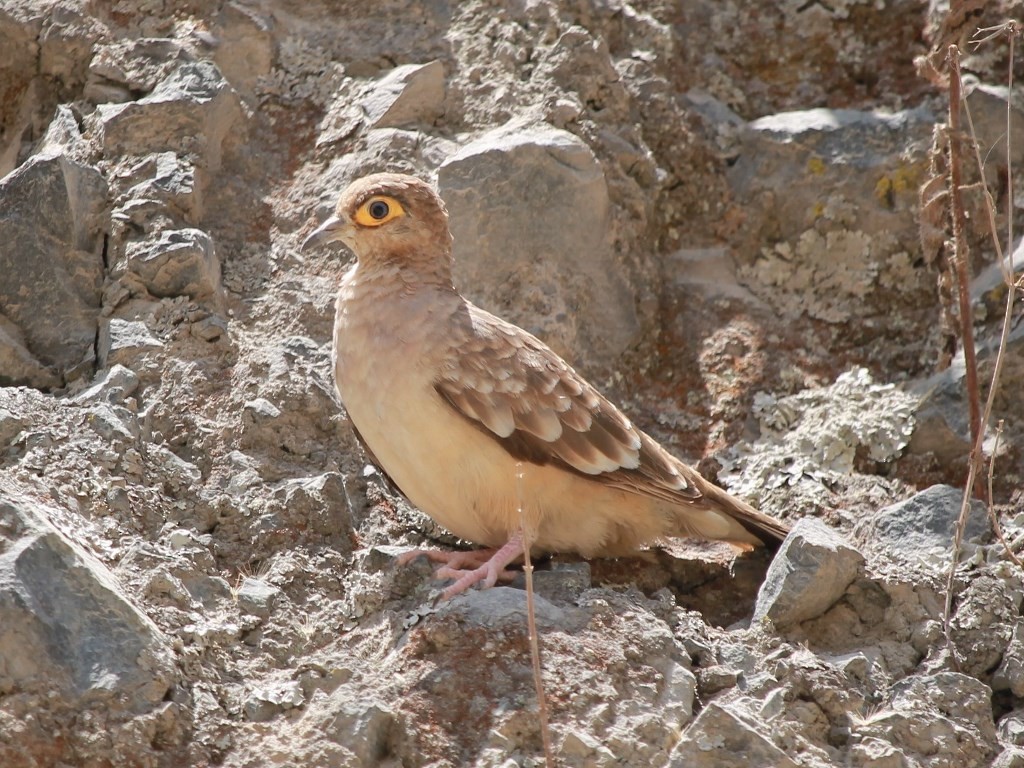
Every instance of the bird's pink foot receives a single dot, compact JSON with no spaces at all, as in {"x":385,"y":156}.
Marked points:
{"x":468,"y":568}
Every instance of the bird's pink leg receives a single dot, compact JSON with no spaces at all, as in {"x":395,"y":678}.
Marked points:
{"x":487,"y":565}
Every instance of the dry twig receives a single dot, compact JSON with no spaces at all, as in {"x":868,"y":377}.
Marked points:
{"x":531,"y":624}
{"x":961,"y":253}
{"x":1013,"y":30}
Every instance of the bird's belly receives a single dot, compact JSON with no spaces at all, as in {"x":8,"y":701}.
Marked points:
{"x":444,"y":466}
{"x":466,"y":481}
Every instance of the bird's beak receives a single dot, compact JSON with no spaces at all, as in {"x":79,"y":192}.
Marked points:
{"x":331,"y":230}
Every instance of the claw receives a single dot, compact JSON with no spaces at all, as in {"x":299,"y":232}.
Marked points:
{"x":488,"y":565}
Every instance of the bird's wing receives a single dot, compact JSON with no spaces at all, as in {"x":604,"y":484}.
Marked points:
{"x":517,"y":390}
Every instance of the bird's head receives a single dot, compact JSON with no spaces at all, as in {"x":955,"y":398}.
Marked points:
{"x":390,"y":218}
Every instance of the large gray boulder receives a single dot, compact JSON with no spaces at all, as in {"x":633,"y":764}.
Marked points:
{"x":53,"y":215}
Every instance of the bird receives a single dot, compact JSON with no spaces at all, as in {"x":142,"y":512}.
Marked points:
{"x":480,"y":424}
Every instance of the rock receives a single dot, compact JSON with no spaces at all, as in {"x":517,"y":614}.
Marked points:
{"x":191,"y":111}
{"x":180,"y":477}
{"x":810,"y":572}
{"x":988,"y":105}
{"x":815,"y":436}
{"x":933,"y":434}
{"x":412,"y":93}
{"x":579,"y":748}
{"x":113,"y":385}
{"x":19,"y":39}
{"x":390,"y":149}
{"x":721,"y":737}
{"x":179,"y":262}
{"x":180,"y":538}
{"x":212,"y":592}
{"x":209,"y":329}
{"x":1010,"y":728}
{"x":942,"y":720}
{"x":159,"y":188}
{"x":122,"y":342}
{"x":922,"y":527}
{"x":944,"y":412}
{"x":502,"y":605}
{"x":11,"y":425}
{"x":263,"y":703}
{"x":62,"y":134}
{"x":245,"y":45}
{"x":257,"y":597}
{"x":1010,"y":674}
{"x":844,"y":233}
{"x":715,"y":678}
{"x":1011,"y":757}
{"x":530,"y":217}
{"x":366,"y":728}
{"x":68,"y":37}
{"x":723,"y":126}
{"x":560,"y":582}
{"x":876,"y":753}
{"x":988,"y":287}
{"x":123,"y":67}
{"x":115,"y":425}
{"x":51,"y":246}
{"x":984,"y":623}
{"x":18,"y":367}
{"x":708,"y":270}
{"x":65,"y":627}
{"x":319,"y":502}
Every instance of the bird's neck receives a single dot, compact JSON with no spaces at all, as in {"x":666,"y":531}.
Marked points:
{"x":401,"y":274}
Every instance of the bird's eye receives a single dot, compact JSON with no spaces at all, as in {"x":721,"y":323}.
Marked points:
{"x":378,"y":210}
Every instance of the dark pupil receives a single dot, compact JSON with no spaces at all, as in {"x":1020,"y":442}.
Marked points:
{"x":379,"y":209}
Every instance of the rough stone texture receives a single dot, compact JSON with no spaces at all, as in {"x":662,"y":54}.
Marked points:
{"x":51,"y":256}
{"x":720,"y":737}
{"x":816,"y":437}
{"x":68,"y":635}
{"x":529,"y":211}
{"x":1010,"y":675}
{"x":652,"y":187}
{"x":18,"y":367}
{"x":190,"y":111}
{"x":837,"y":252}
{"x":180,"y":262}
{"x":809,"y":574}
{"x":407,"y":94}
{"x":922,"y":527}
{"x":957,"y":710}
{"x":122,"y":341}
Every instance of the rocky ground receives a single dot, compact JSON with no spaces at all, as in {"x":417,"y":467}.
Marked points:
{"x":711,"y":207}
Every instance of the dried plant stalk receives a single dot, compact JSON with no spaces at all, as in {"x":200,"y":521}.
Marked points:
{"x":531,"y":626}
{"x":1012,"y":29}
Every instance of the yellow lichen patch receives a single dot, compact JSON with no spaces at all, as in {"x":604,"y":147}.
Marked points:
{"x":815,"y":165}
{"x":895,"y":182}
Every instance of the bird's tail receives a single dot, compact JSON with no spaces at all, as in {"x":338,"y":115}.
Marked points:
{"x":721,"y":516}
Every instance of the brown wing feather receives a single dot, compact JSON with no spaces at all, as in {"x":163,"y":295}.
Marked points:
{"x":542,"y":411}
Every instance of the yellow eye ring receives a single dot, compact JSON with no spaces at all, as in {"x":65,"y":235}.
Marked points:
{"x":379,"y":209}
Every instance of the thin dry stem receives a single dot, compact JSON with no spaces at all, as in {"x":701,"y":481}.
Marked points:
{"x":960,"y":250}
{"x":1013,"y":30}
{"x":993,"y":518}
{"x":531,"y":625}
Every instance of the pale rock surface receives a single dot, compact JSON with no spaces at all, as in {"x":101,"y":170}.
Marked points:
{"x":809,"y":574}
{"x":529,"y":211}
{"x":51,"y":257}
